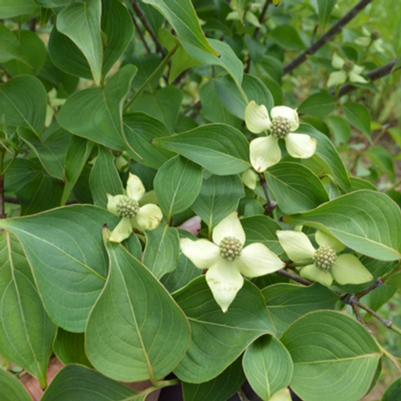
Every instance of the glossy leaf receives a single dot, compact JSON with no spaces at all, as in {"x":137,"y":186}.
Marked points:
{"x":288,"y":302}
{"x":11,"y":388}
{"x":26,"y":332}
{"x":81,"y":23}
{"x":221,"y":388}
{"x":268,"y":367}
{"x":364,"y":220}
{"x":96,"y":113}
{"x":219,"y":197}
{"x":358,"y":116}
{"x":177,"y":184}
{"x":23,"y":103}
{"x":162,"y":250}
{"x":332,"y":345}
{"x":78,"y":381}
{"x":104,"y":178}
{"x":262,"y":229}
{"x":15,"y":8}
{"x":219,"y":148}
{"x":219,"y":338}
{"x":295,"y":188}
{"x":182,"y":17}
{"x":64,"y":248}
{"x":70,"y":348}
{"x":135,"y":331}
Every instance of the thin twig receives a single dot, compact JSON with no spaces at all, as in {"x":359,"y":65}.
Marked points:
{"x":147,"y":26}
{"x":262,"y":18}
{"x":327,"y":37}
{"x":372,"y":76}
{"x":141,"y":36}
{"x":294,"y":277}
{"x":269,"y":206}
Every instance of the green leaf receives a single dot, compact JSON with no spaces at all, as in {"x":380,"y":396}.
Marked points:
{"x":77,"y":381}
{"x":81,"y":22}
{"x":162,"y":250}
{"x":233,"y":98}
{"x":26,"y":332}
{"x":327,"y":158}
{"x":221,"y":388}
{"x":393,"y":392}
{"x":75,"y":161}
{"x":164,"y":105}
{"x":135,"y":331}
{"x":23,"y":103}
{"x":36,"y":191}
{"x":181,"y":15}
{"x":262,"y":229}
{"x":268,"y":366}
{"x":65,"y":250}
{"x":227,"y":59}
{"x":140,"y":130}
{"x":8,"y":45}
{"x":221,"y":149}
{"x":70,"y":348}
{"x":104,"y":178}
{"x":359,"y":117}
{"x":332,"y":346}
{"x":366,"y":221}
{"x":96,"y":113}
{"x":51,"y":149}
{"x":31,"y":54}
{"x":295,"y":188}
{"x":288,"y":302}
{"x":11,"y":387}
{"x":15,"y":8}
{"x":185,"y":272}
{"x":218,"y":338}
{"x":177,"y":184}
{"x":324,"y":8}
{"x":318,"y":105}
{"x":340,"y":129}
{"x":287,"y":37}
{"x":219,"y":197}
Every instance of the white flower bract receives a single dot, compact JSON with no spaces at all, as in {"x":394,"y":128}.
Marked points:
{"x":281,"y":123}
{"x":146,"y":217}
{"x":325,"y":264}
{"x":227,"y":259}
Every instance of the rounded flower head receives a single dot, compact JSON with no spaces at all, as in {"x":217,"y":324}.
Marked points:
{"x":127,"y":206}
{"x":281,"y":123}
{"x":348,"y":71}
{"x":227,"y":259}
{"x":324,"y":264}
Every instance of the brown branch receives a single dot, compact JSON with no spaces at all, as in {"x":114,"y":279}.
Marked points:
{"x":327,"y":37}
{"x":146,"y":24}
{"x":372,"y":76}
{"x":141,"y":36}
{"x":262,"y":18}
{"x":294,"y":277}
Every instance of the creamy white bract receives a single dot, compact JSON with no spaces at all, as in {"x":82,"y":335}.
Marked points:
{"x":280,"y":124}
{"x":227,"y":259}
{"x":325,"y":264}
{"x":133,"y":215}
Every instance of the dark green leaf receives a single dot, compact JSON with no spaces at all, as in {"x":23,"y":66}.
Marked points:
{"x":153,"y":333}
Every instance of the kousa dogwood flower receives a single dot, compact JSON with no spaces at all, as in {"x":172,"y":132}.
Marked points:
{"x":326,"y":263}
{"x":127,"y":206}
{"x":348,"y":72}
{"x":227,"y":259}
{"x":282,"y":123}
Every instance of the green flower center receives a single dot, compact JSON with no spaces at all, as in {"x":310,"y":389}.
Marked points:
{"x":348,"y":66}
{"x":230,"y":248}
{"x":127,"y":207}
{"x":325,"y":258}
{"x":281,"y":127}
